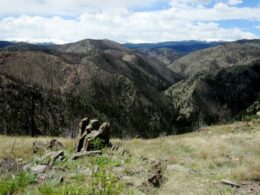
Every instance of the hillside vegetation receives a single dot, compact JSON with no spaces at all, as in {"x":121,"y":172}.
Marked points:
{"x":47,"y":92}
{"x":215,"y":58}
{"x":209,"y":98}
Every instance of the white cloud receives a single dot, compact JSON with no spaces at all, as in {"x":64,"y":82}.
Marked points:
{"x":234,"y":2}
{"x":185,"y":20}
{"x":65,"y":7}
{"x":131,"y":27}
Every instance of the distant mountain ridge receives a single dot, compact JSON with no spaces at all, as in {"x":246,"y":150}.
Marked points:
{"x":169,"y":52}
{"x":241,"y":52}
{"x":179,"y":46}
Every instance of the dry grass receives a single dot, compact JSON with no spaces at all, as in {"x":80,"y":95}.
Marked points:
{"x":21,"y":147}
{"x":218,"y":152}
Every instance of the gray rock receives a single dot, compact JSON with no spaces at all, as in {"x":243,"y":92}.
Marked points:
{"x":104,"y":132}
{"x":8,"y":165}
{"x":231,"y":183}
{"x":39,"y":146}
{"x":39,"y":168}
{"x":55,"y":145}
{"x":53,"y":156}
{"x":258,"y":114}
{"x":26,"y":167}
{"x":92,"y":135}
{"x":92,"y":131}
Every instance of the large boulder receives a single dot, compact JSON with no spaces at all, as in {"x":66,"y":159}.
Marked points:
{"x":93,"y":131}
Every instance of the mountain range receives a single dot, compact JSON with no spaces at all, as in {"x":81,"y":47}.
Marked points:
{"x":142,"y":89}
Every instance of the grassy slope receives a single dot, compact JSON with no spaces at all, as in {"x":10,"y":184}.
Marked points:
{"x":220,"y":152}
{"x":203,"y":158}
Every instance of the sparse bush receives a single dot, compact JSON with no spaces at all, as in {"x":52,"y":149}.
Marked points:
{"x":97,"y":144}
{"x":104,"y":183}
{"x":11,"y":185}
{"x":104,"y":161}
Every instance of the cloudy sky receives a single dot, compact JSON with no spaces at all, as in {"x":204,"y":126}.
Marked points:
{"x":63,"y":21}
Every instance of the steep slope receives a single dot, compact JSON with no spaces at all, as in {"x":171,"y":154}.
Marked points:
{"x":230,"y":54}
{"x":114,"y":58}
{"x":208,"y":98}
{"x":165,"y":55}
{"x":48,"y":92}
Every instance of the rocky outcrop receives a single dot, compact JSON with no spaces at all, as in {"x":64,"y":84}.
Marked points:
{"x":53,"y":144}
{"x":91,"y":131}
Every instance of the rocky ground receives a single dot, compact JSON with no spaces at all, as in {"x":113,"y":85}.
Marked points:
{"x":215,"y":160}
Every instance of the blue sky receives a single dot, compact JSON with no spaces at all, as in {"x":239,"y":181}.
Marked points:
{"x":64,"y":21}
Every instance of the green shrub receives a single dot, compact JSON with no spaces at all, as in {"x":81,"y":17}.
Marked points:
{"x":104,"y":183}
{"x":16,"y":184}
{"x":97,"y":144}
{"x":104,"y":161}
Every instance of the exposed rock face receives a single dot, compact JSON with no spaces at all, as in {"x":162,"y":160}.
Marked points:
{"x":91,"y":130}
